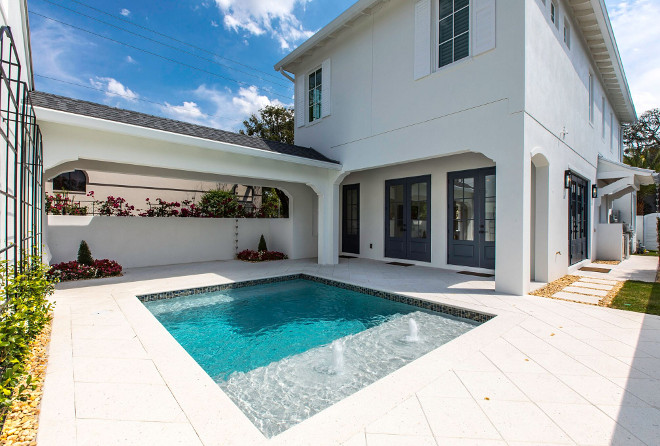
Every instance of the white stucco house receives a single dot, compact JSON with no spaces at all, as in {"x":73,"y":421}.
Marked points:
{"x":471,"y":135}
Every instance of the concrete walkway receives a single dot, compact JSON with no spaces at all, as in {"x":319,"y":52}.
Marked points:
{"x":542,"y":372}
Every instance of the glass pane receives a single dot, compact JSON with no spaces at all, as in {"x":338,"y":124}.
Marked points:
{"x":490,"y":185}
{"x":464,"y":230}
{"x":490,"y":208}
{"x":318,"y":78}
{"x":396,"y":217}
{"x":446,"y":29}
{"x":490,"y":230}
{"x":458,"y":4}
{"x":458,"y":189}
{"x":461,"y":21}
{"x":461,"y":46}
{"x":312,"y":81}
{"x":445,"y":8}
{"x":445,"y":54}
{"x":311,"y":113}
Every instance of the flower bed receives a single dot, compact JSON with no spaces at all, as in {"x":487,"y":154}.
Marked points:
{"x":66,"y":271}
{"x":249,"y":255}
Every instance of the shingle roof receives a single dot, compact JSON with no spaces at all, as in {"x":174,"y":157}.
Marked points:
{"x":92,"y":109}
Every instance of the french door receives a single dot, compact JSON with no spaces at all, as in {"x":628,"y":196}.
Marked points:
{"x":578,"y":219}
{"x":350,"y":226}
{"x":471,"y":218}
{"x":408,"y":218}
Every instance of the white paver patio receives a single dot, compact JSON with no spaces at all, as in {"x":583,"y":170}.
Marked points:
{"x":543,"y":371}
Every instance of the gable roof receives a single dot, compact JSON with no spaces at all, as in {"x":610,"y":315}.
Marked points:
{"x":592,"y":20}
{"x":99,"y":111}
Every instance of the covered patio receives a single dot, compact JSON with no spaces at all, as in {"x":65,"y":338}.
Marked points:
{"x":541,"y":371}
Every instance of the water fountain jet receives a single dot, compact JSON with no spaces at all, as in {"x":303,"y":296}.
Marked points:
{"x":413,"y":331}
{"x":337,"y":356}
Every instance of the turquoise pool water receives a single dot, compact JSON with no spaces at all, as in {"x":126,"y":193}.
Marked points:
{"x":268,"y":346}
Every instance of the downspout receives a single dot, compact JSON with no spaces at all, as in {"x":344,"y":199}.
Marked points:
{"x":285,"y":74}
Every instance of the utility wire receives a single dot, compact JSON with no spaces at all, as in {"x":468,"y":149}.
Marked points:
{"x":174,"y":47}
{"x":123,"y":19}
{"x":89,"y":87}
{"x":241,"y":83}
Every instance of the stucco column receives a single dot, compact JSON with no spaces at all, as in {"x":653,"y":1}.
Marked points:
{"x":328,"y":220}
{"x":512,"y":232}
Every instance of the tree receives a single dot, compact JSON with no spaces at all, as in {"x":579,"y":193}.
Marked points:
{"x":641,"y":140}
{"x":84,"y":254}
{"x":274,"y":123}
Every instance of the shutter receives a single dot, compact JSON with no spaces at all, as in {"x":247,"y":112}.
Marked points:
{"x":422,"y":63}
{"x":300,"y":100}
{"x":484,"y":26}
{"x":326,"y":87}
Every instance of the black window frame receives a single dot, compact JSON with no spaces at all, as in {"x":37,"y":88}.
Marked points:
{"x":446,"y":16}
{"x":314,"y":105}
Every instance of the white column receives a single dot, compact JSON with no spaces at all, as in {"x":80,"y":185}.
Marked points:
{"x":512,"y":233}
{"x":328,"y":218}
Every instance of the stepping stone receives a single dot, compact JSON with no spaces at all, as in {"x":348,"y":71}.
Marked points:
{"x":577,"y":297}
{"x":595,"y":286}
{"x":594,"y":280}
{"x":589,"y":291}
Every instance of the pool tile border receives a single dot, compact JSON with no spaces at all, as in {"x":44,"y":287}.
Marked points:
{"x":463,"y":313}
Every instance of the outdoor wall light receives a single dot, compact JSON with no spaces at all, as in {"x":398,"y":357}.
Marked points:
{"x":594,"y":191}
{"x":567,"y":179}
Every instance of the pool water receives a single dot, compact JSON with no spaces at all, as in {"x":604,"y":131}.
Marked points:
{"x":269,"y":346}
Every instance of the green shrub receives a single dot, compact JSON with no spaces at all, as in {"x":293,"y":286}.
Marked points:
{"x":220,"y":204}
{"x":262,"y":244}
{"x":24,"y":313}
{"x":85,"y":255}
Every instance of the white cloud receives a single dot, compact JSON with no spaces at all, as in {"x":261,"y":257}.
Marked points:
{"x":225,"y":109}
{"x":113,"y":88}
{"x":57,"y":48}
{"x":635,"y":24}
{"x":129,"y":59}
{"x":258,"y":17}
{"x":125,"y":12}
{"x":214,"y":24}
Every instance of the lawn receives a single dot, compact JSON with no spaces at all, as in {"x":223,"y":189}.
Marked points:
{"x":649,"y":254}
{"x":643,"y":297}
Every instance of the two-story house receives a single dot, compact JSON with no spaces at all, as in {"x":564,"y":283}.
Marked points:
{"x":475,"y":135}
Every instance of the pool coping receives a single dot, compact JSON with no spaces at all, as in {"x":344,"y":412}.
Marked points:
{"x":216,"y":418}
{"x":464,"y":313}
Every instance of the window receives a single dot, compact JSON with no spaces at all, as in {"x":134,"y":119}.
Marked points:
{"x":553,"y":14}
{"x":75,"y":181}
{"x":567,"y":33}
{"x":453,"y":31}
{"x":602,"y":131}
{"x":314,"y":102}
{"x":611,"y":132}
{"x":591,"y":98}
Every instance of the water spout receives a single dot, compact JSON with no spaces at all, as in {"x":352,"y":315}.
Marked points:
{"x":413,"y":331}
{"x":337,"y":356}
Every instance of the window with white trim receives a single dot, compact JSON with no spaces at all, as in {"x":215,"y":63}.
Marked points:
{"x":314,"y":95}
{"x":567,"y":33}
{"x":602,"y":124}
{"x":611,"y":132}
{"x":453,"y":31}
{"x":591,"y":98}
{"x":554,"y":15}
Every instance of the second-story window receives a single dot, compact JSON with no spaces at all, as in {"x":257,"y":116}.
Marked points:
{"x":591,"y":98}
{"x":553,"y":14}
{"x":314,"y":99}
{"x":567,"y":33}
{"x":611,"y":132}
{"x":453,"y":31}
{"x":602,"y":126}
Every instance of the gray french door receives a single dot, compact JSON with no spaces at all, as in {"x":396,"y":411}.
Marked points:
{"x":408,"y":218}
{"x":350,"y":226}
{"x":471,"y":218}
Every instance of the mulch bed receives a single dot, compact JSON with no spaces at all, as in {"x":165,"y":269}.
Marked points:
{"x":21,"y":423}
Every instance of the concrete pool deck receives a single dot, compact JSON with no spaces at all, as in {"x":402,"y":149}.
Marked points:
{"x":543,"y":371}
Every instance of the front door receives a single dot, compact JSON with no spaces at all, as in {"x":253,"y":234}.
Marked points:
{"x":471,"y":218}
{"x":578,"y":219}
{"x":408,"y":218}
{"x":350,"y":226}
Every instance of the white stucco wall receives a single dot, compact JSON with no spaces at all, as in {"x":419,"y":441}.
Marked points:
{"x":136,"y":242}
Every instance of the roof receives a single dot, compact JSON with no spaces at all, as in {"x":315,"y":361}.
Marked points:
{"x":592,"y":20}
{"x":104,"y":112}
{"x":643,"y":176}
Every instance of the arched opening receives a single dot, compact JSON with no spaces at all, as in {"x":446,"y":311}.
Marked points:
{"x":539,"y":214}
{"x":74,"y":181}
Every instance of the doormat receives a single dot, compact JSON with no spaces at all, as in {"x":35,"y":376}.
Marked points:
{"x":470,"y":273}
{"x":595,"y":270}
{"x":400,"y":264}
{"x":347,"y":257}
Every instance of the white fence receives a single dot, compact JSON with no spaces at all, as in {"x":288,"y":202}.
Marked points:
{"x":647,"y":231}
{"x":152,"y":241}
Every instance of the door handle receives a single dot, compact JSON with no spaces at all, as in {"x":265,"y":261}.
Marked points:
{"x":482,"y":232}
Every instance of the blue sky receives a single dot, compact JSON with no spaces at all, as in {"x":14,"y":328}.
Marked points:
{"x":214,"y":62}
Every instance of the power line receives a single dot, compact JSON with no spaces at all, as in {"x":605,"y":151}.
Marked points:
{"x":89,"y":87}
{"x":177,"y":48}
{"x":123,"y":19}
{"x":241,"y":83}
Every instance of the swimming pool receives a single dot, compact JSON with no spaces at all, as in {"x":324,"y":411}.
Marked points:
{"x":285,"y":350}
